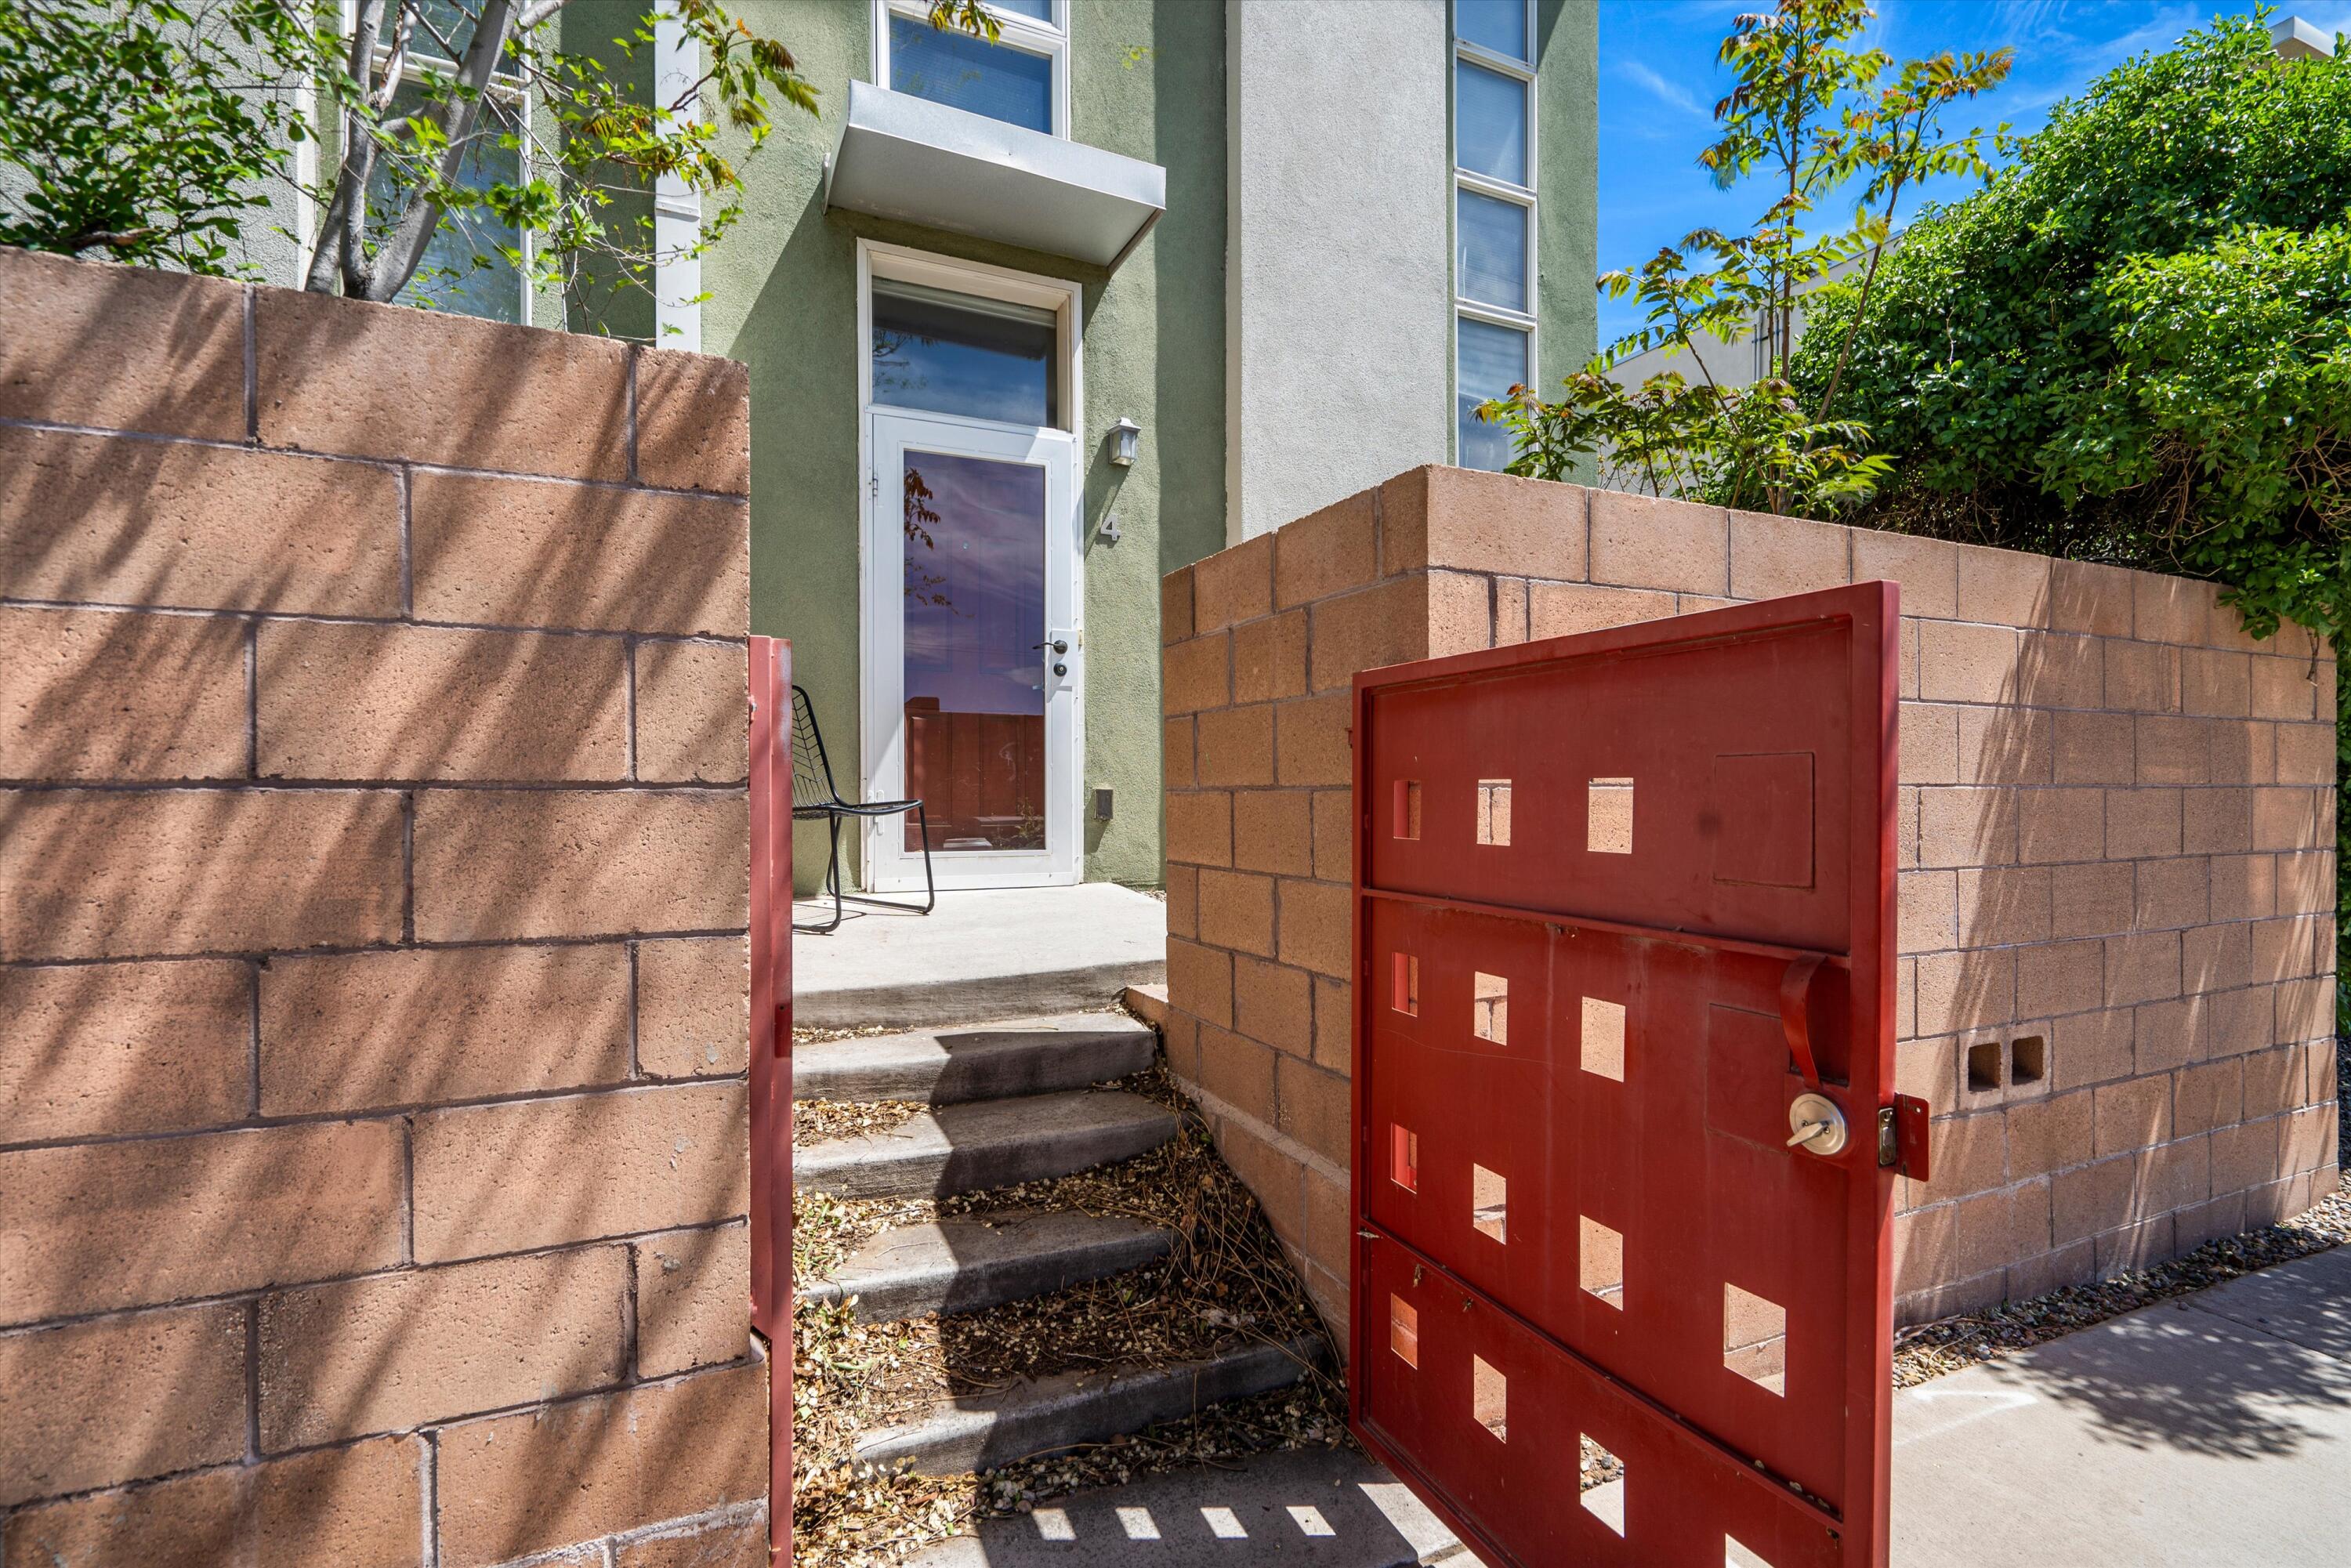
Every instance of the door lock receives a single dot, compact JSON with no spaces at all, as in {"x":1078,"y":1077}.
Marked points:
{"x":1059,"y":646}
{"x":1815,"y":1125}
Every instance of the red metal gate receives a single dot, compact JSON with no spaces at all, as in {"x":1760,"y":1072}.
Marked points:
{"x":1623,"y":902}
{"x":771,"y":1061}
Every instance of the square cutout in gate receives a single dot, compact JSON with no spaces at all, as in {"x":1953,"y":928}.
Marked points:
{"x":1605,"y":1502}
{"x":1404,"y":1158}
{"x":1608,"y":816}
{"x":1755,"y":1339}
{"x":1489,"y":1204}
{"x":1600,"y":1259}
{"x":1404,"y":991}
{"x":1494,"y":812}
{"x":1404,"y":1331}
{"x":1406,"y":811}
{"x":1490,"y":1007}
{"x":1489,"y":1399}
{"x":1604,"y":1039}
{"x":1737,"y":1554}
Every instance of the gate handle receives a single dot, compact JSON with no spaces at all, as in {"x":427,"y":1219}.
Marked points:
{"x":1795,"y":1014}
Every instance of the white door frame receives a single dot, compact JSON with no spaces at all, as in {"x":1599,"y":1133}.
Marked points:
{"x":881,"y":583}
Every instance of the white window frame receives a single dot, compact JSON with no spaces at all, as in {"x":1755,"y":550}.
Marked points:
{"x":1066,"y":299}
{"x":1526,"y":321}
{"x":503,"y":85}
{"x":1024,"y":33}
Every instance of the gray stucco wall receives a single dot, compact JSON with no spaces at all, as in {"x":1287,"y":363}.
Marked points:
{"x":1338,"y":329}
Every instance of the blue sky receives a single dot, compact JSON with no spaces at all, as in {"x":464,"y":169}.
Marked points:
{"x":1659,"y":82}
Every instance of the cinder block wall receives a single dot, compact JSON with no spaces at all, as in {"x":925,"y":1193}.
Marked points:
{"x":373,"y":846}
{"x":2118,"y":933}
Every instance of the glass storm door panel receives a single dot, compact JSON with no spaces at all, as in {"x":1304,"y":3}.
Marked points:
{"x":974,"y":657}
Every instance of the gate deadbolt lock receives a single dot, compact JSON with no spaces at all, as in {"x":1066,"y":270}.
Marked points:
{"x":1815,"y":1125}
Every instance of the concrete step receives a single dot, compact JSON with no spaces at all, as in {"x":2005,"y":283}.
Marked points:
{"x":987,"y":1144}
{"x":965,"y":1265}
{"x":1001,"y":953}
{"x":1148,"y":1003}
{"x":1041,"y":1415}
{"x":995,"y":1061}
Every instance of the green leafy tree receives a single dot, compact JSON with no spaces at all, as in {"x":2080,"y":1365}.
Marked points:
{"x":152,"y":132}
{"x":2119,"y":349}
{"x":148,"y":132}
{"x":1816,"y":121}
{"x":2133,"y":345}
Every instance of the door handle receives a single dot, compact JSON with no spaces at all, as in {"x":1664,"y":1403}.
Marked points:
{"x":1795,"y":1014}
{"x":1056,"y":644}
{"x":1061,"y":647}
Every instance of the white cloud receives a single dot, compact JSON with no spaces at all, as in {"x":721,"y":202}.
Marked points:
{"x":1671,"y":92}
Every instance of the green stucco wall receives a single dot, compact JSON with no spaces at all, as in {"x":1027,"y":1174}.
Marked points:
{"x":1146,"y":80}
{"x":1567,"y":139}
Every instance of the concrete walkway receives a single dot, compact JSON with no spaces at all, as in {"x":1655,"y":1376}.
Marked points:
{"x":2212,"y":1429}
{"x":1003,"y":952}
{"x":1326,"y":1509}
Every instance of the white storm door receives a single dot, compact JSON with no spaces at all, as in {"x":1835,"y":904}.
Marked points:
{"x":974,"y":660}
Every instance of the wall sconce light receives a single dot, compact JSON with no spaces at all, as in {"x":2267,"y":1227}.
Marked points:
{"x":1124,"y":437}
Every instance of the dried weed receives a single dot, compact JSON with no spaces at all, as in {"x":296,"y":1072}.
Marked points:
{"x":1226,"y":1281}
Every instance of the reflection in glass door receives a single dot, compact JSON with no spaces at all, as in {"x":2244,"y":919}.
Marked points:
{"x":972,"y":683}
{"x":975,"y":625}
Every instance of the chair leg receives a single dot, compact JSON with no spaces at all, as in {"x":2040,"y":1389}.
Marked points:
{"x":930,"y":879}
{"x":832,"y":871}
{"x":831,"y":882}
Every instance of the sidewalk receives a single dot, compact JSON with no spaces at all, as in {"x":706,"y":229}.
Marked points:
{"x":2210,"y":1429}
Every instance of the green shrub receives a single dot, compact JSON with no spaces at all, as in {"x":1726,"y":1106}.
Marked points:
{"x":2133,"y":345}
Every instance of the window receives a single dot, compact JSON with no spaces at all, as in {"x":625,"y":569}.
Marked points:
{"x":464,"y":270}
{"x":950,"y":352}
{"x":1022,"y":78}
{"x":1493,"y":217}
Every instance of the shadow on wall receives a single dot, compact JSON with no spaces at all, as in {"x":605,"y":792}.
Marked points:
{"x":2105,"y":966}
{"x":373,"y":988}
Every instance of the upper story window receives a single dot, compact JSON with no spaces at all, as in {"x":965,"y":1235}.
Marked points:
{"x":1493,"y":216}
{"x":1022,"y":78}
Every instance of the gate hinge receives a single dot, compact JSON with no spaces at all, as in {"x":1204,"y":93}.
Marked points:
{"x":1902,"y":1136}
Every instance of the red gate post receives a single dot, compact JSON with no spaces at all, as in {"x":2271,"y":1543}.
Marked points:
{"x":1625,"y":1127}
{"x":772,"y":1062}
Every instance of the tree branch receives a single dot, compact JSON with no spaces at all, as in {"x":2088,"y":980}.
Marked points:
{"x":536,"y":12}
{"x":456,"y":117}
{"x":341,"y":231}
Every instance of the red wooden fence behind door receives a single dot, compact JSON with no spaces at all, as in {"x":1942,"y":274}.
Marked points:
{"x":771,"y":1061}
{"x":1621,"y":899}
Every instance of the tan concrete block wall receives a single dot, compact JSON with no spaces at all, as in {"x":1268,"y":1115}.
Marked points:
{"x":373,"y":975}
{"x":2116,"y":893}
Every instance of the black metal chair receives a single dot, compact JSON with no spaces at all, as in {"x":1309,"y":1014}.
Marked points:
{"x":815,"y":795}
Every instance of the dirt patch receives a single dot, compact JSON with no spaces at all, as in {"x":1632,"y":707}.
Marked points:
{"x":822,"y":1121}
